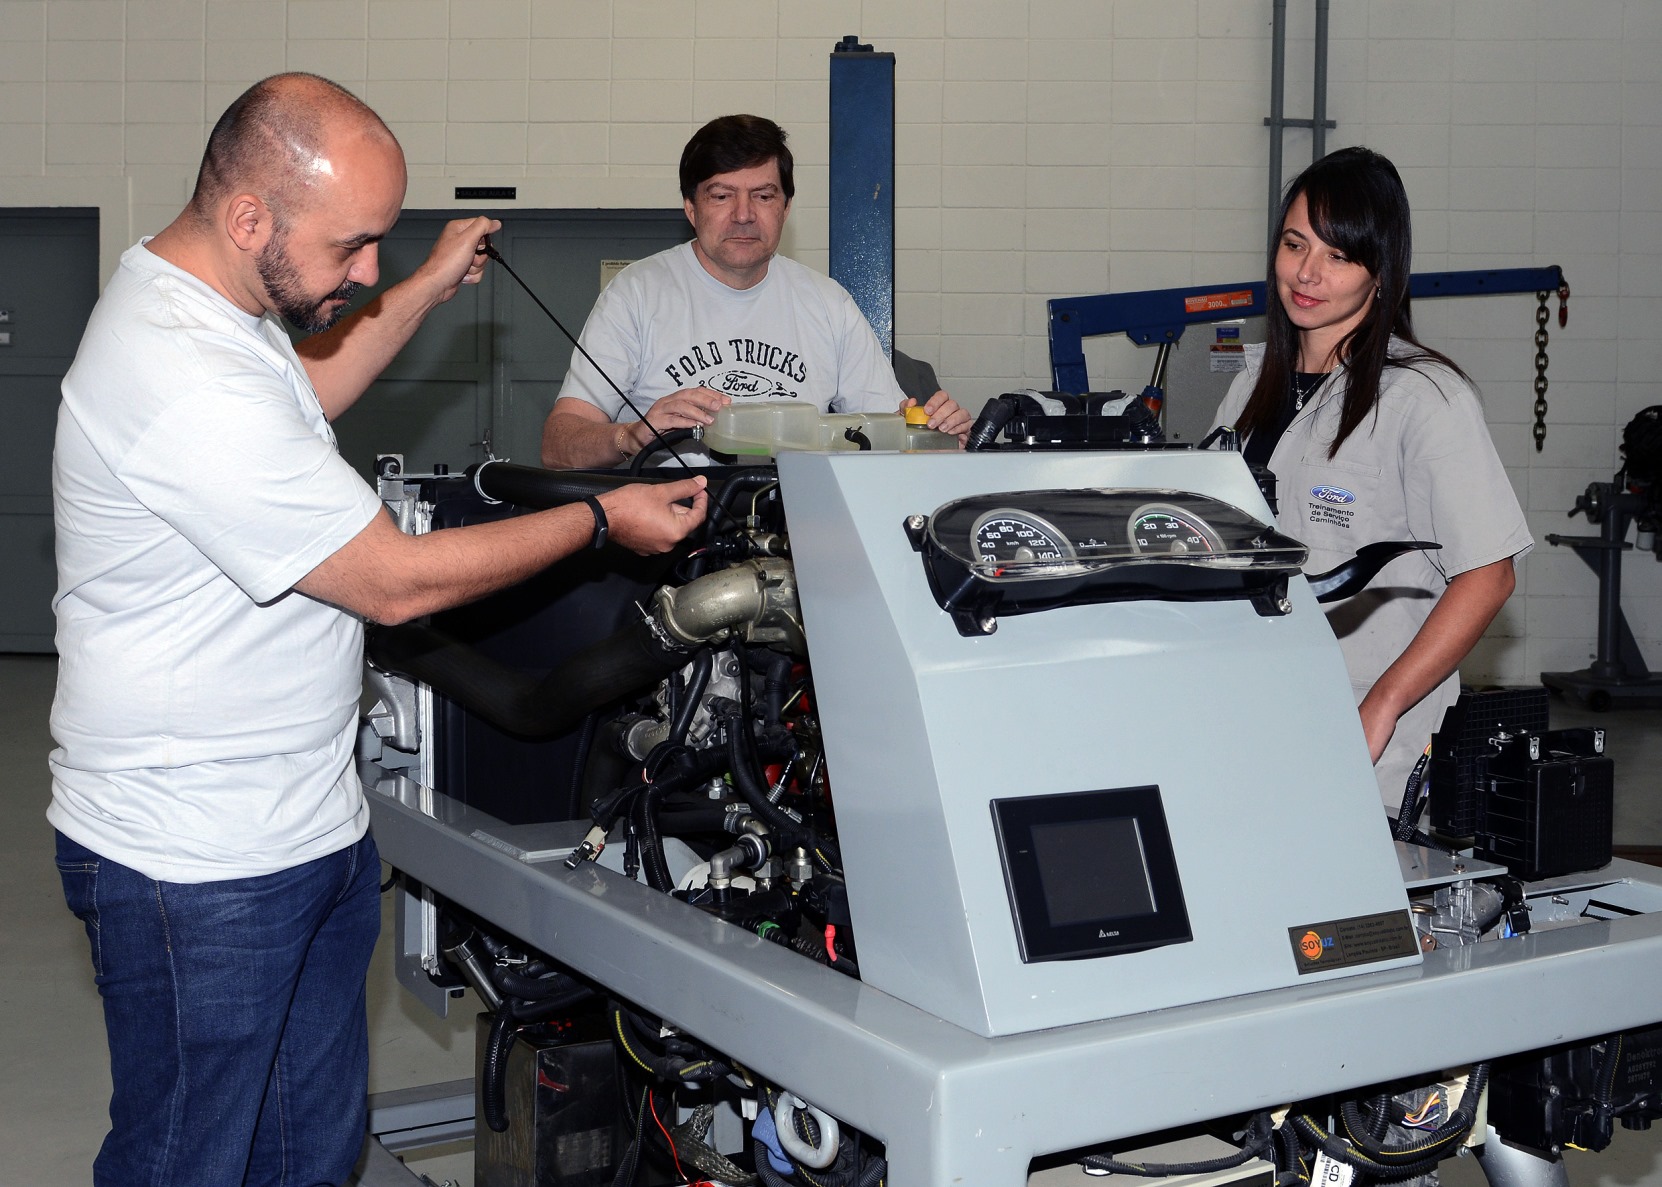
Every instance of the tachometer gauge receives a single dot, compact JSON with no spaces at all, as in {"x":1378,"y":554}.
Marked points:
{"x":1005,"y":536}
{"x":1031,"y":551}
{"x":1162,"y":528}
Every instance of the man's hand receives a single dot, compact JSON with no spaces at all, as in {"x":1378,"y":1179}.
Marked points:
{"x":945,"y":415}
{"x":389,"y":577}
{"x":344,"y":361}
{"x":691,"y":407}
{"x":648,"y":517}
{"x":457,"y":257}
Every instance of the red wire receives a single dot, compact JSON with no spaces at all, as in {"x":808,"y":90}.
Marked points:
{"x":651,"y":1103}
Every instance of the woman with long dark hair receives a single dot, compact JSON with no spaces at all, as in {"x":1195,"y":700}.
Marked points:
{"x":1373,"y":436}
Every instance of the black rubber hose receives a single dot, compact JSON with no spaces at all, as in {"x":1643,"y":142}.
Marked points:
{"x":517,"y":702}
{"x":609,"y":765}
{"x":744,"y":758}
{"x":675,"y":822}
{"x":740,"y":757}
{"x":995,"y":414}
{"x":691,"y":696}
{"x":741,"y":482}
{"x":609,"y":808}
{"x":659,"y":441}
{"x":1259,"y":1138}
{"x":683,"y":770}
{"x":580,"y":764}
{"x":493,"y":1087}
{"x":528,"y":988}
{"x":539,"y":489}
{"x":776,"y":687}
{"x":633,"y":1034}
{"x":652,"y":843}
{"x":550,"y":1007}
{"x":662,"y":760}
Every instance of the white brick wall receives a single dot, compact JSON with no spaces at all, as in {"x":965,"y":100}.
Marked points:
{"x":1047,"y":148}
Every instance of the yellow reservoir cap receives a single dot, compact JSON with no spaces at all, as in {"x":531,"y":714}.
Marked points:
{"x":916,"y":416}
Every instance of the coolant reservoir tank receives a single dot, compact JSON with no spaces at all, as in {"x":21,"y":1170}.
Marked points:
{"x":767,"y":427}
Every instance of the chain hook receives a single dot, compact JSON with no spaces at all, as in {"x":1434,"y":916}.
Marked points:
{"x":1541,"y":368}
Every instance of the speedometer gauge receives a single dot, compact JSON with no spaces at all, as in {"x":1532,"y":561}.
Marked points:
{"x":1006,"y":536}
{"x":1162,"y":528}
{"x":1032,"y":551}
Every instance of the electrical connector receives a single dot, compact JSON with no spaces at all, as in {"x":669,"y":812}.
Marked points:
{"x":590,"y":849}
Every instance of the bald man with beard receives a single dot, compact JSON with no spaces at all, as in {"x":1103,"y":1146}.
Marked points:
{"x":216,"y":561}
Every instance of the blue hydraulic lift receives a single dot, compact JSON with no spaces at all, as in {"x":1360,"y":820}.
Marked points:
{"x":1158,"y":317}
{"x":862,"y":181}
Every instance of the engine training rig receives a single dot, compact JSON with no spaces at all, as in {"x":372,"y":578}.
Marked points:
{"x":1058,"y":752}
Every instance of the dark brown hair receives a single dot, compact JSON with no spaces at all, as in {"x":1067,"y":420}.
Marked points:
{"x":1356,"y":203}
{"x":732,"y":142}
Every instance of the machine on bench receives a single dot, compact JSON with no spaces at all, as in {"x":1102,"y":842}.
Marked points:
{"x":960,"y":817}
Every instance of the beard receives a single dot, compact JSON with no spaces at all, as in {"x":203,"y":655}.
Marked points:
{"x":288,"y":294}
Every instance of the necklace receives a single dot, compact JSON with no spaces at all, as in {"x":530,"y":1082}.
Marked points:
{"x":1305,"y":385}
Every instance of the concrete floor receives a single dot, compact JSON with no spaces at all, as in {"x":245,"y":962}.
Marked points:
{"x":55,"y":1084}
{"x":54,"y":1069}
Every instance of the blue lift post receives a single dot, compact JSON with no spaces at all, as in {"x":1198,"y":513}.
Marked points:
{"x":1159,"y":316}
{"x":862,"y":181}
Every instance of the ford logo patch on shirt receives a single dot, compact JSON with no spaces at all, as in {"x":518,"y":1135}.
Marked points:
{"x":1337,"y":495}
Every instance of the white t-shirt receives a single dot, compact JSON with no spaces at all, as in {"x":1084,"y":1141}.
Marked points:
{"x":205,"y":713}
{"x":664,"y":323}
{"x":1423,"y":467}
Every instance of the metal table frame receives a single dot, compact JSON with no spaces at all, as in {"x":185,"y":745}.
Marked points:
{"x":953,"y":1107}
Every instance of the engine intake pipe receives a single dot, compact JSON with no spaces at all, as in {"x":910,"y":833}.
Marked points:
{"x":517,"y":702}
{"x":758,"y":595}
{"x":529,"y":486}
{"x":757,"y":598}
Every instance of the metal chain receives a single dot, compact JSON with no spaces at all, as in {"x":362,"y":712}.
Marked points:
{"x":1541,"y":369}
{"x":1541,"y":352}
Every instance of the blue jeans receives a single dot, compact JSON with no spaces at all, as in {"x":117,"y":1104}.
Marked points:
{"x":239,"y":1049}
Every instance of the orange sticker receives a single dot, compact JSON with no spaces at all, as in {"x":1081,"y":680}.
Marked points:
{"x":1211,"y":302}
{"x":1310,"y":944}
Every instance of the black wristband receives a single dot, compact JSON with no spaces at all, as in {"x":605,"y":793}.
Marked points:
{"x":600,"y":525}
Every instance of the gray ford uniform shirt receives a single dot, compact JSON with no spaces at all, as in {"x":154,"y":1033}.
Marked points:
{"x":1423,"y":467}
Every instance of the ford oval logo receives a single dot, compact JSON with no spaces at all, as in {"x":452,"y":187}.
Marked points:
{"x":1336,"y":495}
{"x":739,"y":382}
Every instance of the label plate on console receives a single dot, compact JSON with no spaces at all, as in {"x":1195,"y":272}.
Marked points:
{"x":1345,"y":943}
